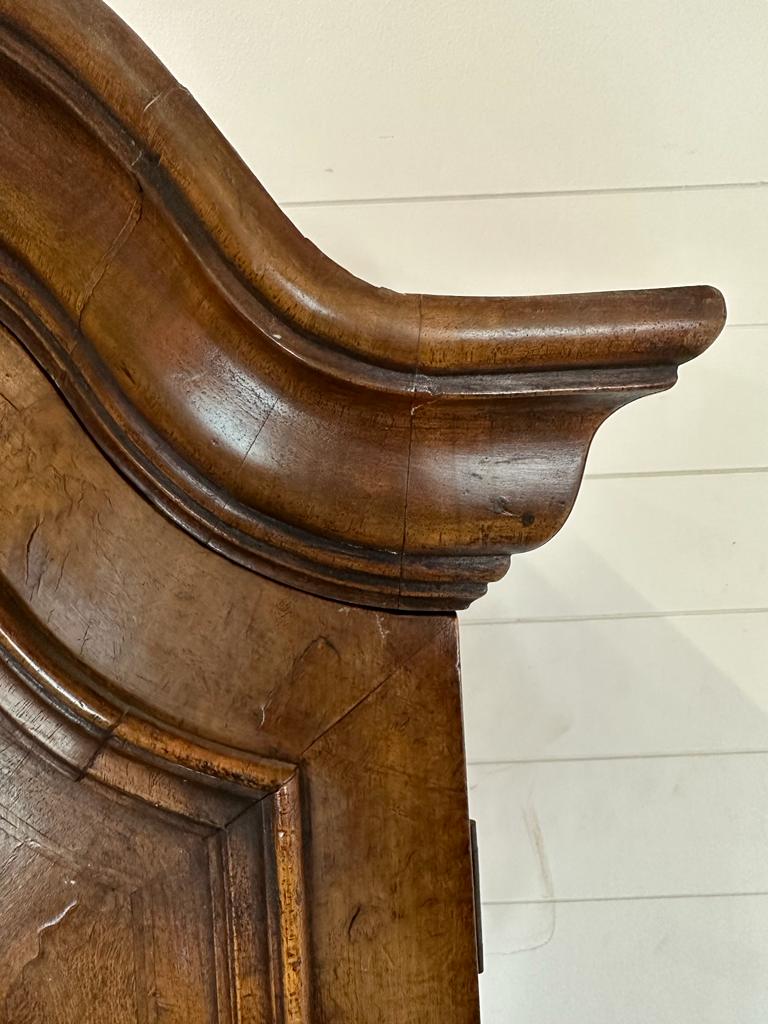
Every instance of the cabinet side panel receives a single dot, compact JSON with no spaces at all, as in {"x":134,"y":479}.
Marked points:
{"x":390,"y":886}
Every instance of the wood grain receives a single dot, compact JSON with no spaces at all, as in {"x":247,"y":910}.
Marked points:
{"x":240,"y":491}
{"x":104,"y":684}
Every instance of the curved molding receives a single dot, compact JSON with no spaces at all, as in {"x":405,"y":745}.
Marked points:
{"x":62,"y":695}
{"x":383,"y":449}
{"x":57,"y":701}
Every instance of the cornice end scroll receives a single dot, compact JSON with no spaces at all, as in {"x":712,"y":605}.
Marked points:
{"x":376,"y":448}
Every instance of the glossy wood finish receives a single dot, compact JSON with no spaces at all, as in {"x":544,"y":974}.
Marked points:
{"x":386,"y":449}
{"x":230,"y":795}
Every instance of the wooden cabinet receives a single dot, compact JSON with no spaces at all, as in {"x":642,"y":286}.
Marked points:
{"x":241,"y":495}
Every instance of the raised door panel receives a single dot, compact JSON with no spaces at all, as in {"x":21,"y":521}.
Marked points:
{"x":115,"y":911}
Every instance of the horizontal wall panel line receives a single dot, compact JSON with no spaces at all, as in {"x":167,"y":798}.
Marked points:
{"x":607,"y":617}
{"x":460,"y":197}
{"x":640,"y":898}
{"x":639,"y":474}
{"x":578,"y":759}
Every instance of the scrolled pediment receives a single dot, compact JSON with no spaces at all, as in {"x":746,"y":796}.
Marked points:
{"x":384,"y":449}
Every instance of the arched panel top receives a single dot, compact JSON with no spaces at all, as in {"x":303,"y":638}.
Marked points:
{"x":383,"y":449}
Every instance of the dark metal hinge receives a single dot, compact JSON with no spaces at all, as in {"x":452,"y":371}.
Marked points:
{"x":476,"y":887}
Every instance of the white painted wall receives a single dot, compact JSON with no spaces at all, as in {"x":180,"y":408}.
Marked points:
{"x":616,"y":690}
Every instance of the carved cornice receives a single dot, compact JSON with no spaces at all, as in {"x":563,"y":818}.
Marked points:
{"x":385,"y":449}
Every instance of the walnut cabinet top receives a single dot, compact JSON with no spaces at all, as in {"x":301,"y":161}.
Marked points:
{"x":384,"y":449}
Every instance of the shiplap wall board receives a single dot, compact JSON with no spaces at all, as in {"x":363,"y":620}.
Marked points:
{"x":623,"y":828}
{"x":616,"y":688}
{"x":691,"y":961}
{"x":348,"y":99}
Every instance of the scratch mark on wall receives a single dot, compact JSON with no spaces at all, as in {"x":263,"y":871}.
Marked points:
{"x":536,"y":836}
